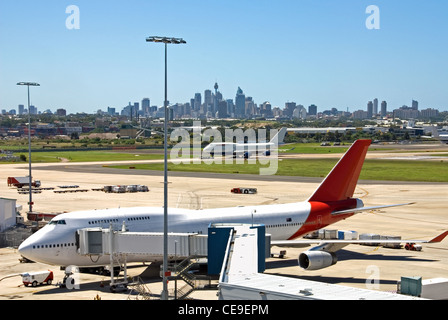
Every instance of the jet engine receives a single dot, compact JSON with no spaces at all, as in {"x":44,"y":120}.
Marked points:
{"x":315,"y":260}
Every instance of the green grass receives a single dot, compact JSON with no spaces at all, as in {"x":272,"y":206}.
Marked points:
{"x":316,"y":148}
{"x":383,"y":170}
{"x":88,"y":156}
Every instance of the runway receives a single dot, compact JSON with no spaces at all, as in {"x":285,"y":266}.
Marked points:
{"x":358,"y":266}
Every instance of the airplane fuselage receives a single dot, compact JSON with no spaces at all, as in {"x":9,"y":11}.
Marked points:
{"x":57,"y":244}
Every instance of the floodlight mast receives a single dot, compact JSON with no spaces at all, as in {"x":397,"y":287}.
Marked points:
{"x":166,"y":41}
{"x":29,"y":84}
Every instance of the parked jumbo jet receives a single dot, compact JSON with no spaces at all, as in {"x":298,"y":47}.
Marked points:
{"x":247,"y":149}
{"x":57,"y":244}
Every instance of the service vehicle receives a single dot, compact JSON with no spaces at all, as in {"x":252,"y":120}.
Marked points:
{"x":20,"y":182}
{"x":413,"y":247}
{"x":244,"y":190}
{"x":37,"y":278}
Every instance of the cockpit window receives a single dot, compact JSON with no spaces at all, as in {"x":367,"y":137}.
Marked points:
{"x":52,"y":222}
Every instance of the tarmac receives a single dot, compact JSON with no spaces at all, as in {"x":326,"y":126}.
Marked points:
{"x":359,"y":266}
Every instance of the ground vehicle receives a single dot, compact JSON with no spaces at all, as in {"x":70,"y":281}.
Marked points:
{"x":413,"y":247}
{"x":244,"y":190}
{"x":37,"y":278}
{"x":20,"y":182}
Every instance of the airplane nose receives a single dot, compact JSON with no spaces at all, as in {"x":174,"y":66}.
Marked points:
{"x":25,"y":250}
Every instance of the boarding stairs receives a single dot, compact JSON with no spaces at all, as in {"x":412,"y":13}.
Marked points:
{"x":182,"y":271}
{"x":139,"y":291}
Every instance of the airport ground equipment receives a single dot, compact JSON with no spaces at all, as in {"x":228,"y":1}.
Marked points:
{"x":37,"y":278}
{"x":244,"y":190}
{"x":20,"y":182}
{"x":413,"y":247}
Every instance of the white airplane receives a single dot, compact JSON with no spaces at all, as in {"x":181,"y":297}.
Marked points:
{"x":245,"y":149}
{"x":57,"y":243}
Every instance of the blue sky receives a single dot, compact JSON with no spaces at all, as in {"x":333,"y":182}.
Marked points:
{"x":307,"y":51}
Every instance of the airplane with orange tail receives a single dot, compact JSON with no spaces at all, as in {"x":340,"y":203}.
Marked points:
{"x":57,"y":243}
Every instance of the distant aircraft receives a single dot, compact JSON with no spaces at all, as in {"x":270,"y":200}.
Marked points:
{"x":57,"y":243}
{"x":245,"y":150}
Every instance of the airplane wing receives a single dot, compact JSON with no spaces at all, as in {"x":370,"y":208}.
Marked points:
{"x":307,"y":242}
{"x":356,"y":210}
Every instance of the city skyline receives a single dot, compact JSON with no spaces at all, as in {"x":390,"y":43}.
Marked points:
{"x":214,"y":105}
{"x":317,"y":53}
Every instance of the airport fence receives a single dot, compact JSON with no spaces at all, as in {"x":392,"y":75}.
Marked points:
{"x":13,"y":237}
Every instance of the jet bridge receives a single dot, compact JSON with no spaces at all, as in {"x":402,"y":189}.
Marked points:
{"x":119,"y":245}
{"x":97,"y":241}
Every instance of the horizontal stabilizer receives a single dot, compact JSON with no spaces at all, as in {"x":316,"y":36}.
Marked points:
{"x":356,"y":210}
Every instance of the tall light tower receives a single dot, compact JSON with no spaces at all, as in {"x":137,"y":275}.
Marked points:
{"x":166,"y":41}
{"x":29,"y":84}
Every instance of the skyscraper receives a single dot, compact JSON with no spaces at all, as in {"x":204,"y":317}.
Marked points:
{"x":312,"y":110}
{"x":414,"y":105}
{"x":197,"y":102}
{"x":383,"y":109}
{"x":240,"y":103}
{"x":146,"y":104}
{"x":375,"y":106}
{"x":369,"y":110}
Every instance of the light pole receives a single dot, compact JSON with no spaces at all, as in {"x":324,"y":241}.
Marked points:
{"x":166,"y":41}
{"x":29,"y":84}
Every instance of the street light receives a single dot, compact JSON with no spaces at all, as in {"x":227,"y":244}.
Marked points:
{"x":29,"y":84}
{"x":166,"y":41}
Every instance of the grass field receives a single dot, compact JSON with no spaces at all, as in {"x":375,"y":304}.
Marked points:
{"x":383,"y":170}
{"x":88,"y":156}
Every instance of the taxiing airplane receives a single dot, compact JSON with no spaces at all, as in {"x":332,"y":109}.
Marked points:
{"x":245,"y":150}
{"x":57,"y":243}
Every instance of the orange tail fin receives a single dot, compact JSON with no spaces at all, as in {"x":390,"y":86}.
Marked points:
{"x":341,"y":182}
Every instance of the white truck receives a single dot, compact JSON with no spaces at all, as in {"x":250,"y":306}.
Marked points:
{"x":37,"y":278}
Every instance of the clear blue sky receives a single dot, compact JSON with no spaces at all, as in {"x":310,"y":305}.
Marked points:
{"x":307,"y":51}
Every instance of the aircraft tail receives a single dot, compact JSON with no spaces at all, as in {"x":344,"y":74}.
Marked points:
{"x":341,"y":182}
{"x":280,"y":136}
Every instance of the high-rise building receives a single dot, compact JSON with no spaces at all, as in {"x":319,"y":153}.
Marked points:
{"x":33,"y":110}
{"x":21,"y":109}
{"x":197,"y":102}
{"x":207,"y":97}
{"x":383,"y":109}
{"x":230,"y":108}
{"x":61,"y":112}
{"x":240,"y":103}
{"x":375,"y":106}
{"x":289,"y":109}
{"x":312,"y":110}
{"x":136,"y":110}
{"x":369,"y":110}
{"x":414,"y":105}
{"x":146,"y":104}
{"x":266,"y":110}
{"x":222,"y":109}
